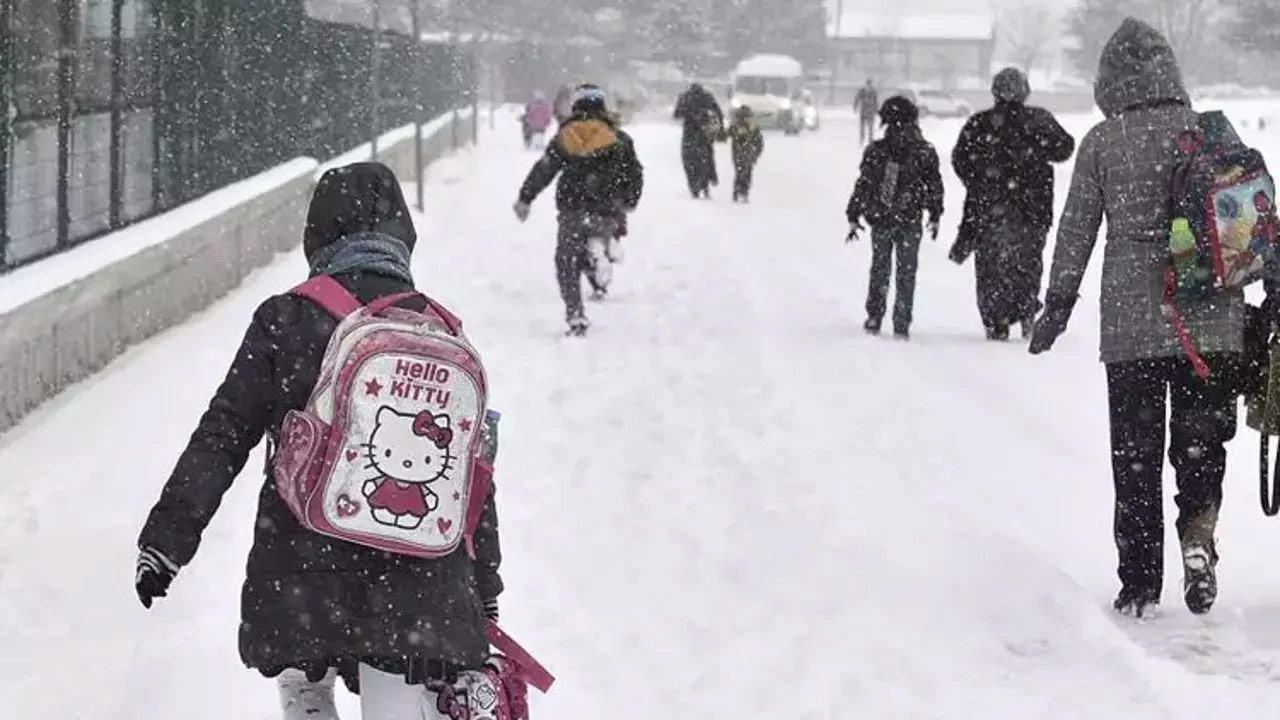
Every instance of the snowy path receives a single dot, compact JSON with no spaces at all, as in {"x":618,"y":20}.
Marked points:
{"x":727,"y":502}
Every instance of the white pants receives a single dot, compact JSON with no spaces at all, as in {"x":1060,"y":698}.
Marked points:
{"x":383,"y":696}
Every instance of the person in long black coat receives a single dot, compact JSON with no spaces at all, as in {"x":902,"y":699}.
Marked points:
{"x":1004,"y":158}
{"x":703,"y":123}
{"x":310,"y":602}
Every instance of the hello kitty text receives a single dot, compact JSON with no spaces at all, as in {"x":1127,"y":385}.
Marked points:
{"x":416,"y":381}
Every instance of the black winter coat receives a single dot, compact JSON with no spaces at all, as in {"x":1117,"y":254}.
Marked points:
{"x":1003,"y":157}
{"x":598,"y":168}
{"x":310,"y":601}
{"x":918,"y":188}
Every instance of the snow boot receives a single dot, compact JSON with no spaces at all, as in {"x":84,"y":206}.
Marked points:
{"x":998,"y":333}
{"x":1137,"y":602}
{"x":1199,"y":563}
{"x":901,"y":333}
{"x":872,"y":325}
{"x":578,"y":325}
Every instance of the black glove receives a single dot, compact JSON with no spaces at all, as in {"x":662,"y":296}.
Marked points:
{"x":1057,"y":311}
{"x":620,"y":228}
{"x":155,"y":572}
{"x":934,"y":225}
{"x":491,"y":609}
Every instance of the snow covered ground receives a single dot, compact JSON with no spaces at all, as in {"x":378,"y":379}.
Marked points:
{"x":727,"y":502}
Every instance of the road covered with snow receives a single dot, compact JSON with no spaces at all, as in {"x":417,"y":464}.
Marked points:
{"x":726,"y":502}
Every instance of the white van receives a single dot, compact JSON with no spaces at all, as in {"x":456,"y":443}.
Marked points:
{"x":771,"y":85}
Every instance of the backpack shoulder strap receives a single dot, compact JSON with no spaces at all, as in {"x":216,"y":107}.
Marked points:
{"x":329,"y":294}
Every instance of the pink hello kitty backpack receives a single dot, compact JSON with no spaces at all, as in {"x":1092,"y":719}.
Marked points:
{"x":387,"y":452}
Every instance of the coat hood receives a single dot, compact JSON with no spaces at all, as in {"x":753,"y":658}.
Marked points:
{"x":359,"y":198}
{"x":1137,"y":68}
{"x":587,"y":135}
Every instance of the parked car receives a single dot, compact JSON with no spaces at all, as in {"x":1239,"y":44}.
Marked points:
{"x":939,"y":103}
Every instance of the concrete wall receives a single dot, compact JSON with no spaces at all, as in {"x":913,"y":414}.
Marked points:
{"x":91,"y":303}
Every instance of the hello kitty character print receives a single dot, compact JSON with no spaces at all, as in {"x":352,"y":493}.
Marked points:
{"x":387,"y":451}
{"x":409,"y":453}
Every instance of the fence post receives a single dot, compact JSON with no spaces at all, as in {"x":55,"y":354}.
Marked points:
{"x":374,"y":72}
{"x":66,"y":80}
{"x":116,"y":158}
{"x":417,"y":117}
{"x":6,"y":129}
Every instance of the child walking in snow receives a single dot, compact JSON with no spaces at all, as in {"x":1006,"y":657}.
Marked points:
{"x":314,"y":606}
{"x":747,"y":144}
{"x":600,"y":181}
{"x":899,"y":180}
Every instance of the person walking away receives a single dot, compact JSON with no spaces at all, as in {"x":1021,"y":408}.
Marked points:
{"x":536,"y":120}
{"x":313,"y":605}
{"x":600,"y":178}
{"x":898,"y":182}
{"x":1123,"y":172}
{"x":703,"y":122}
{"x":1004,"y":159}
{"x":562,"y":104}
{"x":866,"y":104}
{"x":746,"y":144}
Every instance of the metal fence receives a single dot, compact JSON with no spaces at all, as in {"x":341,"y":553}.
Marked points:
{"x":120,"y":109}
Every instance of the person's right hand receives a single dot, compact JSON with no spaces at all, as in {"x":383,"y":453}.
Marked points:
{"x":522,"y":210}
{"x":154,"y":574}
{"x":855,"y":227}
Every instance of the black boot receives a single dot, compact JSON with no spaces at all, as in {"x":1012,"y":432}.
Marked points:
{"x":872,"y":325}
{"x":998,"y":333}
{"x":1136,"y":602}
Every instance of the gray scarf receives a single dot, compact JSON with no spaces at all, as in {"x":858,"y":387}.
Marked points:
{"x":368,"y":252}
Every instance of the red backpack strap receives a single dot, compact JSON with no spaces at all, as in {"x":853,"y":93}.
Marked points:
{"x":329,"y":294}
{"x":530,"y":670}
{"x":387,"y":301}
{"x":450,"y":320}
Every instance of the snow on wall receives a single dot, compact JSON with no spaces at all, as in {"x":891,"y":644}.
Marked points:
{"x":63,"y":318}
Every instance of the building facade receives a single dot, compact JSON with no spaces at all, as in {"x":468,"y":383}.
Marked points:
{"x":946,"y":51}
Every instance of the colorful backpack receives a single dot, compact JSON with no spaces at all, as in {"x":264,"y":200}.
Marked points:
{"x":1223,"y":233}
{"x":387,"y":452}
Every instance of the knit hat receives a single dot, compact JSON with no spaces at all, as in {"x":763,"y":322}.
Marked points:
{"x":1011,"y":85}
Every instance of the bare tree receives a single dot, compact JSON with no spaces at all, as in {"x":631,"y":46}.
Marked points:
{"x":1029,"y":32}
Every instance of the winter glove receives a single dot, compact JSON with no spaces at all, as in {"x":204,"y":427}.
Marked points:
{"x":522,"y":210}
{"x":1057,"y":311}
{"x":155,"y":572}
{"x":620,"y":229}
{"x":855,"y":227}
{"x":491,"y":609}
{"x":933,"y":226}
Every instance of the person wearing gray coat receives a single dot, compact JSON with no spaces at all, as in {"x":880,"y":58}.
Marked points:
{"x":1123,"y":172}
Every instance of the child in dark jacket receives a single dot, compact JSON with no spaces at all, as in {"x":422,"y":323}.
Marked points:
{"x":601,"y":181}
{"x":747,"y":144}
{"x":899,"y":180}
{"x":313,"y":605}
